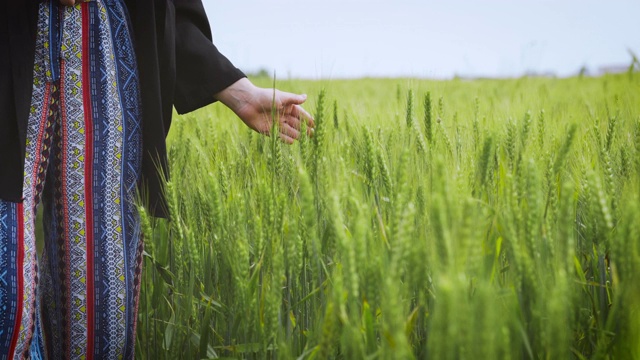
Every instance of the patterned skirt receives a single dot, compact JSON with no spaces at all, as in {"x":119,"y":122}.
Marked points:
{"x":78,"y":299}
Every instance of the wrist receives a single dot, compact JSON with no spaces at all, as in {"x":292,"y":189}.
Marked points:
{"x":236,"y":95}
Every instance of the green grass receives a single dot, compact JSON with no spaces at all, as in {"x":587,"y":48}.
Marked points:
{"x":502,"y":222}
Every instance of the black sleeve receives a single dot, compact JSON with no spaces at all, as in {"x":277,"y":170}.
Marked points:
{"x":201,"y":70}
{"x":18,"y":20}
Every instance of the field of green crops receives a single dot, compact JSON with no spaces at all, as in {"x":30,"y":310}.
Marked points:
{"x":486,"y":219}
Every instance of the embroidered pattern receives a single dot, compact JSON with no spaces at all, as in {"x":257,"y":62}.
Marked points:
{"x":83,"y":158}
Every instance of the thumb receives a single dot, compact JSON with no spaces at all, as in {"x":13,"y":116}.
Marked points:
{"x":293,"y":99}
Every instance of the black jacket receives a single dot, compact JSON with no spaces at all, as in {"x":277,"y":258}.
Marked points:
{"x":178,"y":66}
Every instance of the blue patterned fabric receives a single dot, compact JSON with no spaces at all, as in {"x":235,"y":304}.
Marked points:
{"x":8,"y":288}
{"x":83,"y":159}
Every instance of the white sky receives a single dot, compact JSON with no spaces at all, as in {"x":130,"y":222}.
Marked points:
{"x":354,"y":38}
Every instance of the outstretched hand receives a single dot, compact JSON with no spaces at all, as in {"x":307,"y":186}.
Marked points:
{"x":253,"y":105}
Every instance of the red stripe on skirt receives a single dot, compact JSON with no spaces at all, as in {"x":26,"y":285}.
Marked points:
{"x":88,"y":175}
{"x":20,"y":280}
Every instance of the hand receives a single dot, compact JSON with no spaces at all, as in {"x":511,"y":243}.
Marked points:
{"x":68,"y":2}
{"x":253,"y":106}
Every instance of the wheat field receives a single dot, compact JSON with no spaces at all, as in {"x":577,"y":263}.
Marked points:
{"x":484,"y":219}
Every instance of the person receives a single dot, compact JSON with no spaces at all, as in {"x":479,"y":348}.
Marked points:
{"x":86,"y":95}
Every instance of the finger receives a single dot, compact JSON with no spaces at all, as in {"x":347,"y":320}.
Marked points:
{"x":289,"y":131}
{"x":68,"y":2}
{"x":286,"y":139}
{"x":299,"y":112}
{"x":292,"y":99}
{"x":297,"y":124}
{"x":293,"y":121}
